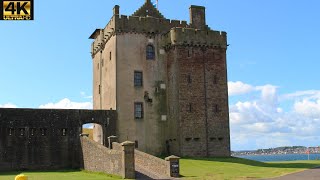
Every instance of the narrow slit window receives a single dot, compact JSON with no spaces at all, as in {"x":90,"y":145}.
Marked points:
{"x":43,"y":131}
{"x":150,"y":52}
{"x":11,"y":131}
{"x":110,"y":55}
{"x":216,"y":108}
{"x":32,"y":131}
{"x":64,"y":132}
{"x":189,"y":79}
{"x":190,"y":107}
{"x":99,"y":89}
{"x":22,"y":131}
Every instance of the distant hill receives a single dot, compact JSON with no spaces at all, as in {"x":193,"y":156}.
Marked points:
{"x":88,"y":131}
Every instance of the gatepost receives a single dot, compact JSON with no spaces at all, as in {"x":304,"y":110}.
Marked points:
{"x":128,"y":160}
{"x":173,"y":166}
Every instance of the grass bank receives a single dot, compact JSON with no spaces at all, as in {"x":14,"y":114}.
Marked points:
{"x":202,"y":168}
{"x":59,"y":175}
{"x":237,"y":168}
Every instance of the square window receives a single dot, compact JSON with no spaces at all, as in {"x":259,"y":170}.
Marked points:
{"x":138,"y":79}
{"x":138,"y":110}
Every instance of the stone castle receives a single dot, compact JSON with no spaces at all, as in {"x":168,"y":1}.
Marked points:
{"x":159,"y":87}
{"x":166,"y":79}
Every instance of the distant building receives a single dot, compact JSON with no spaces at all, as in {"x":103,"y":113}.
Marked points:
{"x":166,"y":79}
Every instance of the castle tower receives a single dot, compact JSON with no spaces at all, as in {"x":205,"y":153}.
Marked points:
{"x":167,"y":79}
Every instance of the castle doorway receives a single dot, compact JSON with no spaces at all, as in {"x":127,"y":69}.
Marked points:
{"x":87,"y":129}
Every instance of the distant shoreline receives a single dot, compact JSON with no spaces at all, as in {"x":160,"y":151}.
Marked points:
{"x":279,"y":151}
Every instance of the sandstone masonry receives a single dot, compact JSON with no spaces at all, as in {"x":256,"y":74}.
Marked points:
{"x":167,"y":80}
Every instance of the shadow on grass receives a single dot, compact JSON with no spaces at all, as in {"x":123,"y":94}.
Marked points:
{"x":258,"y":163}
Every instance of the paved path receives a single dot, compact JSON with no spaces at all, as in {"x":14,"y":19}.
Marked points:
{"x":310,"y":174}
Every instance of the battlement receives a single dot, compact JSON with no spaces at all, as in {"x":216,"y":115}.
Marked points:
{"x":191,"y":36}
{"x":133,"y":24}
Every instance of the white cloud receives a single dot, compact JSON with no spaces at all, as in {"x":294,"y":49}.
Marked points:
{"x":260,"y":122}
{"x":67,"y":104}
{"x":237,"y":88}
{"x":309,"y":108}
{"x":8,"y":105}
{"x":84,"y":95}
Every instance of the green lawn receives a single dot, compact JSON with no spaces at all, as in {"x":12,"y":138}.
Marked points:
{"x":202,"y":168}
{"x":237,"y":168}
{"x":59,"y":175}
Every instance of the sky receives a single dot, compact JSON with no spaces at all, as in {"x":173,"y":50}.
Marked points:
{"x":273,"y":62}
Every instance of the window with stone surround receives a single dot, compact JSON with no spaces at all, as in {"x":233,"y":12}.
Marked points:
{"x":150,"y":52}
{"x":138,"y":110}
{"x":138,"y":79}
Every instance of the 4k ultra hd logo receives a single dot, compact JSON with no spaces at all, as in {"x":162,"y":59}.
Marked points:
{"x":16,"y":10}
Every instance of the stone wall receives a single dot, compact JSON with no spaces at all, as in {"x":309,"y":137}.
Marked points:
{"x":201,"y":81}
{"x":98,"y":158}
{"x":151,"y":163}
{"x":46,"y":138}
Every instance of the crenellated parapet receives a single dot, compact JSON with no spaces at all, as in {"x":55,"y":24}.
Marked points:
{"x":194,"y":37}
{"x":132,"y":24}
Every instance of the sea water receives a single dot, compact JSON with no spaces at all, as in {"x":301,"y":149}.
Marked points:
{"x":282,"y":157}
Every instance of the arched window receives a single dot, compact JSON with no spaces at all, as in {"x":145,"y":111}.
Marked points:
{"x":150,"y":52}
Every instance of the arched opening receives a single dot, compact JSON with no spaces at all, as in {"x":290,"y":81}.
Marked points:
{"x":87,"y":129}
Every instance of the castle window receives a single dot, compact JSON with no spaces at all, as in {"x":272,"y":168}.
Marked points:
{"x":216,"y":108}
{"x":150,"y":52}
{"x":190,"y":107}
{"x":98,"y":65}
{"x":189,"y":79}
{"x":11,"y":131}
{"x":43,"y":131}
{"x":138,"y":110}
{"x":188,"y":139}
{"x":32,"y":131}
{"x":99,"y":89}
{"x":110,"y":56}
{"x":63,"y":132}
{"x":220,"y":138}
{"x":138,"y":79}
{"x":21,"y":131}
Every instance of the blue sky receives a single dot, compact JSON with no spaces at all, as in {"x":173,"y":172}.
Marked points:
{"x":273,"y":62}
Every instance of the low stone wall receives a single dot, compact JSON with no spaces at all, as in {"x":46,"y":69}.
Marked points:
{"x":151,"y":163}
{"x":98,"y":158}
